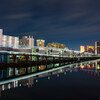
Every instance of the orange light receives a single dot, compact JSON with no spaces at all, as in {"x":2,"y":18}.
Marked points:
{"x":82,"y":66}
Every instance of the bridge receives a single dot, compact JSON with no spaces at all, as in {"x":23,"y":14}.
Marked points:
{"x":17,"y":57}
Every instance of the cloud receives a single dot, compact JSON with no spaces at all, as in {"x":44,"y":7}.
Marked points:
{"x":18,"y":16}
{"x":52,"y":19}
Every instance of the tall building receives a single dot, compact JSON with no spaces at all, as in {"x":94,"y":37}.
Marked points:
{"x":40,"y":43}
{"x":31,"y":41}
{"x":27,"y":41}
{"x":97,"y":48}
{"x":82,"y":49}
{"x":90,"y":48}
{"x":8,"y":41}
{"x":56,"y":45}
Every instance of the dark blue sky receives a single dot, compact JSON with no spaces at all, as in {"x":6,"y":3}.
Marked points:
{"x":73,"y":22}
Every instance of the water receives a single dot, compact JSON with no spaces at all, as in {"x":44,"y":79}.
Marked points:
{"x":74,"y":82}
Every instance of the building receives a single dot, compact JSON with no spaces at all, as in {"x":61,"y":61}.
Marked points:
{"x":26,"y":41}
{"x":56,"y":45}
{"x":82,"y":49}
{"x":1,"y":34}
{"x":97,"y":48}
{"x":40,"y":43}
{"x":90,"y":49}
{"x":8,"y":41}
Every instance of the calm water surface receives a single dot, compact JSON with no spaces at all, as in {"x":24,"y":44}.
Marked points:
{"x":76,"y":82}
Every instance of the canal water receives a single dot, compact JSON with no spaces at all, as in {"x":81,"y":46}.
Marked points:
{"x":67,"y":82}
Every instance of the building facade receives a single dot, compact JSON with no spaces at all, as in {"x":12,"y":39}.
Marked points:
{"x":82,"y":49}
{"x":97,"y":48}
{"x":90,"y":49}
{"x":8,"y":41}
{"x":56,"y":45}
{"x":40,"y":43}
{"x":26,"y":41}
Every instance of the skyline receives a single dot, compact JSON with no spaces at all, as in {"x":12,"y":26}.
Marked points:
{"x":73,"y":23}
{"x":21,"y":39}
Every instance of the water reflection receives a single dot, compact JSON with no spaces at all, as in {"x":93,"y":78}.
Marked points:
{"x":16,"y":77}
{"x":91,"y":68}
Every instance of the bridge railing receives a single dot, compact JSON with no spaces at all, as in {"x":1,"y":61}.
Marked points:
{"x":47,"y":51}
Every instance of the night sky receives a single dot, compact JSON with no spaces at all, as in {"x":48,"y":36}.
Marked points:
{"x":73,"y":22}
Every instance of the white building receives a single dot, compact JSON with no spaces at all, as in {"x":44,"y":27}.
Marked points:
{"x":8,"y":41}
